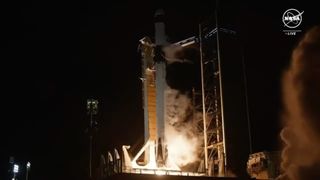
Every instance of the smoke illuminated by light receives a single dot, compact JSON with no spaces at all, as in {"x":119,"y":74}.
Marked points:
{"x":183,"y":142}
{"x":181,"y":149}
{"x":301,"y":103}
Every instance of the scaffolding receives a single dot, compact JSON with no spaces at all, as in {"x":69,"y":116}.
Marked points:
{"x":208,"y":99}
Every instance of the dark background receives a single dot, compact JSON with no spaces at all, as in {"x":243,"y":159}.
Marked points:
{"x":55,"y":55}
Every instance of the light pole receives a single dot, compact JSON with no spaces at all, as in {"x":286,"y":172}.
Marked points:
{"x":15,"y":171}
{"x":28,"y":169}
{"x":92,"y":108}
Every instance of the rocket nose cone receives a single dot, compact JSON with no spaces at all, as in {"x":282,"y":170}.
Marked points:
{"x":159,"y":12}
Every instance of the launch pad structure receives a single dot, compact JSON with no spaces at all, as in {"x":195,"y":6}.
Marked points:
{"x":225,"y":132}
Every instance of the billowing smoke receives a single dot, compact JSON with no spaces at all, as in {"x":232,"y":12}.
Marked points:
{"x":301,"y":97}
{"x":182,"y":137}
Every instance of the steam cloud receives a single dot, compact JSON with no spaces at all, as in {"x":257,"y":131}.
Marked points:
{"x":301,"y":97}
{"x":182,"y":137}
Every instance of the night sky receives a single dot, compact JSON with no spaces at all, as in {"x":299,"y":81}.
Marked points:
{"x":55,"y":55}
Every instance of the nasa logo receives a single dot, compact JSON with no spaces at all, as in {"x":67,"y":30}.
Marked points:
{"x":292,"y":18}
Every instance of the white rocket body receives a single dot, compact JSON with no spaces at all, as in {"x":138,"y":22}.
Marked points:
{"x":161,"y":84}
{"x":154,"y":98}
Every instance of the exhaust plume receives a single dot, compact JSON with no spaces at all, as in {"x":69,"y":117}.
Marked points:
{"x":301,"y":97}
{"x":182,"y":137}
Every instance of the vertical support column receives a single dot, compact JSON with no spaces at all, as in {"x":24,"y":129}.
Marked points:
{"x":203,"y":105}
{"x":221,"y":89}
{"x":92,"y":108}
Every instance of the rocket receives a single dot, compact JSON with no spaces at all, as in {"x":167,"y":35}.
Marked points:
{"x":161,"y":84}
{"x":154,"y":82}
{"x":154,"y":87}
